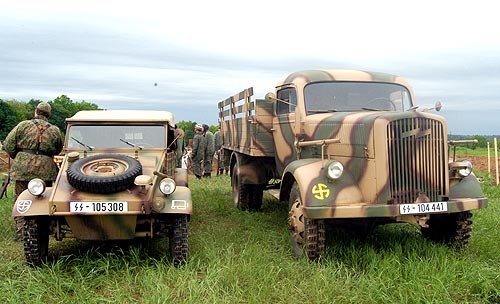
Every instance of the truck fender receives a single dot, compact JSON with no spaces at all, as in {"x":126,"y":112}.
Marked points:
{"x":251,"y":170}
{"x":316,"y":189}
{"x":30,"y":205}
{"x":467,"y":187}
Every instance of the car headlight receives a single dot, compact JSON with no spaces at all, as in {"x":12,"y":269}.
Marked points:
{"x":36,"y":187}
{"x":167,"y":186}
{"x":334,"y":170}
{"x":466,"y":169}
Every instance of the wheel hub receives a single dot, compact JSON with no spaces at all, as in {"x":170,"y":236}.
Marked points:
{"x":296,"y":222}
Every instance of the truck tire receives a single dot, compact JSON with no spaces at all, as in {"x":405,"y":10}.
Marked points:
{"x":241,"y":192}
{"x":245,"y":196}
{"x":307,"y":235}
{"x":36,"y":240}
{"x":453,"y":229}
{"x":178,"y":240}
{"x":104,"y":173}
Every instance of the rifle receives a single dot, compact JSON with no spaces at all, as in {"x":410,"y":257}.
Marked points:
{"x":5,"y":183}
{"x":6,"y":180}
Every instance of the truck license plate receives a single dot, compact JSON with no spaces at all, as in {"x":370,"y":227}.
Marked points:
{"x":419,"y":208}
{"x":98,"y":207}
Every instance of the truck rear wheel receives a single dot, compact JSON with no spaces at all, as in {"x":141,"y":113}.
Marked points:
{"x":36,"y":240}
{"x":307,"y":235}
{"x":453,"y":229}
{"x":178,"y":240}
{"x":245,"y":196}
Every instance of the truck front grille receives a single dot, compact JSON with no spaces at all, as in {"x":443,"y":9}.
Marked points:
{"x":417,"y":159}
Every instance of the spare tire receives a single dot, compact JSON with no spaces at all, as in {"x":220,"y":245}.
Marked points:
{"x":104,"y":173}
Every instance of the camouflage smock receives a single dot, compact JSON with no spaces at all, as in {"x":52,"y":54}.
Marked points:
{"x":27,"y":166}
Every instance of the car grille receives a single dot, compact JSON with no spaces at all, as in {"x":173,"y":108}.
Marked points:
{"x":417,"y":159}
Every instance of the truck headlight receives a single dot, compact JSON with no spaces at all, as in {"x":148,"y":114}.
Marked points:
{"x":334,"y":170}
{"x":460,"y":168}
{"x":167,"y":186}
{"x":466,"y":169}
{"x":36,"y":187}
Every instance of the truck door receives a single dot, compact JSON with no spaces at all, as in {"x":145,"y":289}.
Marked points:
{"x":284,"y":127}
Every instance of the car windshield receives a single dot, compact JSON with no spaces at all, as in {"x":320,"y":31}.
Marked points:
{"x":116,"y":136}
{"x":338,"y":96}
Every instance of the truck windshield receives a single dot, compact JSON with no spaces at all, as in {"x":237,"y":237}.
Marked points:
{"x":92,"y":137}
{"x":338,"y":96}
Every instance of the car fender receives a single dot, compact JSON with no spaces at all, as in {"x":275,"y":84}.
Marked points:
{"x":29,"y":205}
{"x":317,"y":189}
{"x":178,"y":202}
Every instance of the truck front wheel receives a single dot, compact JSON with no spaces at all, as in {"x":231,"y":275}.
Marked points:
{"x":453,"y":229}
{"x":307,"y":235}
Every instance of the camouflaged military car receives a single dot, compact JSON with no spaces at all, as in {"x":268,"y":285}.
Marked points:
{"x":117,"y":181}
{"x":351,"y":148}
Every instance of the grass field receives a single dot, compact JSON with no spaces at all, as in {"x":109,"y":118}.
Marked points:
{"x":242,"y":257}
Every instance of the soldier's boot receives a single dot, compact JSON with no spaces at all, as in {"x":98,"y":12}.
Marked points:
{"x":197,"y":176}
{"x":207,"y":175}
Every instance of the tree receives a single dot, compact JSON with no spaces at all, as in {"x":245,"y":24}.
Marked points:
{"x":481,"y":142}
{"x":63,"y":107}
{"x":8,"y":119}
{"x":188,"y":127}
{"x":22,"y":110}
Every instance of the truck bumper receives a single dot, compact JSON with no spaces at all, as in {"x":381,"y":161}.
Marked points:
{"x":367,"y":211}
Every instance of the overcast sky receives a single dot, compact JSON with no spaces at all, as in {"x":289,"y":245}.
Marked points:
{"x":185,"y":56}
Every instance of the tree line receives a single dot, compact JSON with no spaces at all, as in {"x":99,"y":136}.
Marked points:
{"x":12,"y":112}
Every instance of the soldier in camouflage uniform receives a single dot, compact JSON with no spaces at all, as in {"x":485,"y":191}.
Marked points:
{"x":209,"y":151}
{"x":32,"y":144}
{"x":199,"y":144}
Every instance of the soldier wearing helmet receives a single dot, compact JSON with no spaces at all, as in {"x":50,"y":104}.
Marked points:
{"x":199,"y":144}
{"x":32,"y":144}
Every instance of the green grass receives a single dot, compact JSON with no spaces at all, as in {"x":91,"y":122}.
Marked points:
{"x":243,"y":257}
{"x":462,"y":150}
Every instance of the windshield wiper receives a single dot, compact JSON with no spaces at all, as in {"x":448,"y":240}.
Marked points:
{"x":131,"y":144}
{"x":322,"y":111}
{"x":374,"y":109}
{"x":82,"y":144}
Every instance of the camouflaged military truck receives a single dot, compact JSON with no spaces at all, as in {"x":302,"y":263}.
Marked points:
{"x":117,"y":181}
{"x":347,"y":147}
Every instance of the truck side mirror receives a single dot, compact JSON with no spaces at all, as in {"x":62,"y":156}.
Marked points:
{"x":270,"y":97}
{"x":438,"y":106}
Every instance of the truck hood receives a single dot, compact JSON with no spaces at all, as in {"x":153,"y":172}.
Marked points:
{"x":356,"y":131}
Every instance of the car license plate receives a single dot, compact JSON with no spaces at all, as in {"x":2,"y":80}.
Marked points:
{"x":98,"y":207}
{"x":423,"y":208}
